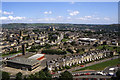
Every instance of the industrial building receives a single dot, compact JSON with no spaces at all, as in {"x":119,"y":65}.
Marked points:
{"x":23,"y":63}
{"x":20,"y":61}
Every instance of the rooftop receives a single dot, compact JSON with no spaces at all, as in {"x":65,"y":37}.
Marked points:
{"x":89,"y":39}
{"x":36,"y":56}
{"x":24,"y":61}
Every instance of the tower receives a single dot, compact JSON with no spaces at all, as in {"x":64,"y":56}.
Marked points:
{"x":21,"y":33}
{"x":23,"y":49}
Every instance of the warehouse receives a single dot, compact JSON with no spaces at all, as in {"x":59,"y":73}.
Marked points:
{"x":23,"y":63}
{"x":20,"y":61}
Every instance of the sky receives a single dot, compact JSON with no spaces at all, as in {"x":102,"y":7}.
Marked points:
{"x":60,"y":12}
{"x":60,"y":0}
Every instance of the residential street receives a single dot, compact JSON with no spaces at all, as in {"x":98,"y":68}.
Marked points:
{"x":89,"y":64}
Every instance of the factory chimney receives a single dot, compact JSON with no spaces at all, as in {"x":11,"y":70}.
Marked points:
{"x":23,"y":49}
{"x":21,"y":33}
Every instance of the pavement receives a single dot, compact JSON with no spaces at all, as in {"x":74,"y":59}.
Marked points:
{"x":106,"y":70}
{"x":92,"y":76}
{"x":14,"y":71}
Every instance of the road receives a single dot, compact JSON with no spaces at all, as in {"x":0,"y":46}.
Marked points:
{"x":59,"y":40}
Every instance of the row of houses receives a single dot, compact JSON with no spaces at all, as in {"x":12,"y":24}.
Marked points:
{"x":61,"y":62}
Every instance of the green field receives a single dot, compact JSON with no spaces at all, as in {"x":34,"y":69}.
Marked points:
{"x":64,"y":40}
{"x":11,"y":53}
{"x":101,"y":66}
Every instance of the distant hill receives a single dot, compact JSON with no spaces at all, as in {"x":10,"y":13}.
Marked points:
{"x":92,"y":26}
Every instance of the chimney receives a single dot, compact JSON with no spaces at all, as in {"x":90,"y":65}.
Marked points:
{"x":21,"y":33}
{"x":23,"y":49}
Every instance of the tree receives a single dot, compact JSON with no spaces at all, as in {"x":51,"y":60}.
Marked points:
{"x":66,"y":76}
{"x":52,"y":51}
{"x":25,"y":78}
{"x":83,"y":49}
{"x":48,"y":75}
{"x":78,"y":50}
{"x":31,"y":77}
{"x":5,"y":76}
{"x":65,"y":43}
{"x":19,"y":76}
{"x":67,"y":67}
{"x":118,"y":74}
{"x":42,"y":75}
{"x":47,"y":46}
{"x":70,"y":50}
{"x":72,"y":43}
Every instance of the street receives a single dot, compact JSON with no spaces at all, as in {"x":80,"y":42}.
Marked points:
{"x":89,"y":64}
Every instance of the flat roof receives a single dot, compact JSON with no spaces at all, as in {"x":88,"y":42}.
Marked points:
{"x":36,"y":56}
{"x":89,"y":39}
{"x":24,"y":61}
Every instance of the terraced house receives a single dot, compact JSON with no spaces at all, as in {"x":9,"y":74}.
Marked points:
{"x":62,"y":62}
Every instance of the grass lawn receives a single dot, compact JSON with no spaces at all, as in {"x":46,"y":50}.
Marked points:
{"x":64,"y":40}
{"x":11,"y":53}
{"x":101,"y":66}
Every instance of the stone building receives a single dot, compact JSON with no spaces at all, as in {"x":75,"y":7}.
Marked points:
{"x":61,"y":62}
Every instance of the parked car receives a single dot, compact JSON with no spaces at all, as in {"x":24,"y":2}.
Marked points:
{"x":92,"y":73}
{"x":111,"y":69}
{"x":87,"y":73}
{"x":81,"y":65}
{"x":111,"y":74}
{"x":53,"y":73}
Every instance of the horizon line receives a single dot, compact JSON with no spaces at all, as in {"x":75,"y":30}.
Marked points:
{"x":65,"y":23}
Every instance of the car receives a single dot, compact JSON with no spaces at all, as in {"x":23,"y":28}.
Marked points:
{"x":81,"y":74}
{"x":81,"y":65}
{"x":87,"y":73}
{"x":101,"y":73}
{"x":59,"y":71}
{"x":92,"y":73}
{"x":98,"y":74}
{"x":111,"y":73}
{"x":104,"y":74}
{"x":76,"y":79}
{"x":76,"y":75}
{"x":111,"y":69}
{"x":53,"y":73}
